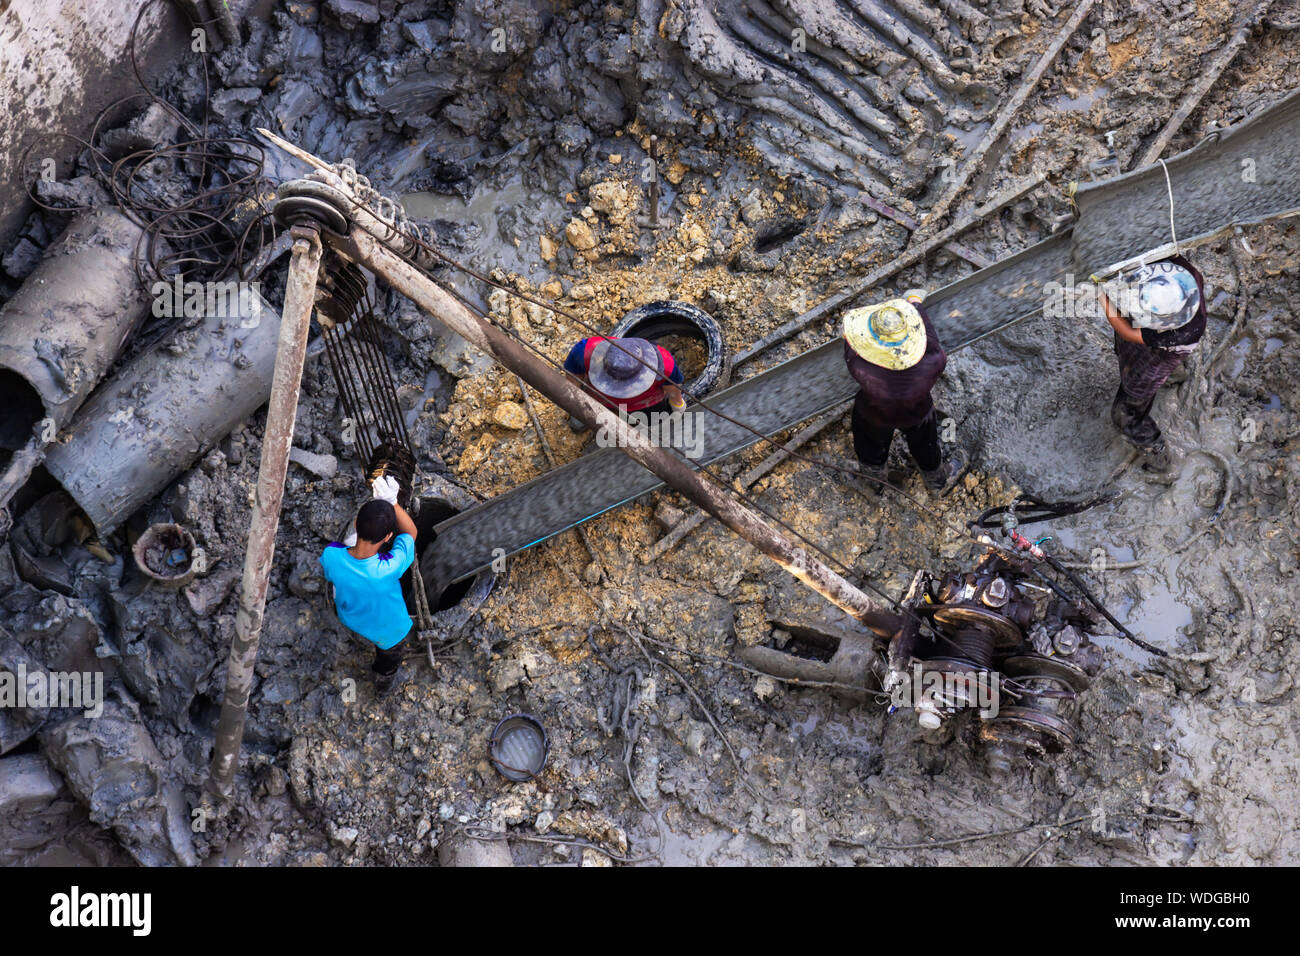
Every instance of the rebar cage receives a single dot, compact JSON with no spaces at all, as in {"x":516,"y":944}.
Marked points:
{"x":353,"y":347}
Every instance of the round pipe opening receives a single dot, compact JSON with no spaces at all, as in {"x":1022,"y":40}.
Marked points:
{"x":692,"y":336}
{"x":22,"y":409}
{"x":518,"y":747}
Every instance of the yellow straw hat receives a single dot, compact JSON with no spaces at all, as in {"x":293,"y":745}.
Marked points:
{"x":889,"y":334}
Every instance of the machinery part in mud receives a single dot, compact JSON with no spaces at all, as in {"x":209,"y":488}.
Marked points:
{"x":292,"y":209}
{"x":818,"y":652}
{"x":343,"y":190}
{"x":1042,"y":719}
{"x":657,"y":320}
{"x":985,"y":602}
{"x":989,"y":643}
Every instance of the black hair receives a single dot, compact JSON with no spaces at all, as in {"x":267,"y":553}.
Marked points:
{"x":376,"y":521}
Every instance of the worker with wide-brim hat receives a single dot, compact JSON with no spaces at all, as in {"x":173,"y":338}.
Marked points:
{"x":1158,"y":313}
{"x":895,"y":356}
{"x":631,"y":374}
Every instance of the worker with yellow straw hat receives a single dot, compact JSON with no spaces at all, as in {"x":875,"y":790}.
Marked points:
{"x":895,"y":357}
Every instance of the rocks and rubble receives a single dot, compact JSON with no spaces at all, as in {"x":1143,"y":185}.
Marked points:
{"x":337,"y":776}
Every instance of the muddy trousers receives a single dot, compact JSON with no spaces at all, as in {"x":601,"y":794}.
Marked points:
{"x":387,"y":661}
{"x":1142,"y":370}
{"x":871,"y":440}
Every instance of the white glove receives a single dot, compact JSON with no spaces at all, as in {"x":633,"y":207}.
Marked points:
{"x":385,"y":489}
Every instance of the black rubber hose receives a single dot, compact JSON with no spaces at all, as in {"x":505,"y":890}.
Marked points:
{"x":1092,"y":599}
{"x":1039,"y":510}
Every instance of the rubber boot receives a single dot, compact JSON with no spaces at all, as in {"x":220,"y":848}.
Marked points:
{"x":941,"y":480}
{"x":870,"y":478}
{"x":1158,"y":459}
{"x":1135,"y":424}
{"x":386,"y":683}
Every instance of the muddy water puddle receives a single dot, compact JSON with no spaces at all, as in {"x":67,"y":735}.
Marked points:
{"x":482,"y":214}
{"x":1140,"y":598}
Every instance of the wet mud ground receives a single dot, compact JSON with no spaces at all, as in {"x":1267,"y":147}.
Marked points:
{"x":663,"y":748}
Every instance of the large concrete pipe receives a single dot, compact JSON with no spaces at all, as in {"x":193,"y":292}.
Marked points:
{"x":166,"y":407}
{"x":66,"y":324}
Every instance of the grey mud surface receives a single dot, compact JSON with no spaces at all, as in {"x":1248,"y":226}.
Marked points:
{"x":512,"y":151}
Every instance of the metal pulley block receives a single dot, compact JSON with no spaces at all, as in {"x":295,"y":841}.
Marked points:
{"x":1006,"y":633}
{"x":1046,"y":692}
{"x":310,"y":200}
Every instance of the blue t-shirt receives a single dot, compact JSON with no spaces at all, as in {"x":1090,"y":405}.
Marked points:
{"x":368,"y":594}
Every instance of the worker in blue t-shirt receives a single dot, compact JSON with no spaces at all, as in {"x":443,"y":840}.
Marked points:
{"x":367,"y":578}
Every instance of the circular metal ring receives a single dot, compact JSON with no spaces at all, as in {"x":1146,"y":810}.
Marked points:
{"x":293,"y":209}
{"x":1028,"y":665}
{"x":518,"y":747}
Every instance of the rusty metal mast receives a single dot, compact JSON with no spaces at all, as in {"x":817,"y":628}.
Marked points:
{"x":277,"y":439}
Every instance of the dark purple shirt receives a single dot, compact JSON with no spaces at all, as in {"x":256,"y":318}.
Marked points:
{"x":899,"y":399}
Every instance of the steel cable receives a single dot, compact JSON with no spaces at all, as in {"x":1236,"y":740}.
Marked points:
{"x":220,"y":219}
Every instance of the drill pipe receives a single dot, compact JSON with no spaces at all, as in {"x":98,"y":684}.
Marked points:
{"x":165,"y":408}
{"x":66,"y":324}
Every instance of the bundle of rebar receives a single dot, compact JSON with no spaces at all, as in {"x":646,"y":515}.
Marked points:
{"x":364,"y":377}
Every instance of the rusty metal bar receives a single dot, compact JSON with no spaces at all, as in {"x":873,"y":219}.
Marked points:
{"x":286,"y":382}
{"x":674,"y":471}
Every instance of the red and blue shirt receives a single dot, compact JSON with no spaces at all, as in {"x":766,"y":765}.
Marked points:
{"x":579,"y":361}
